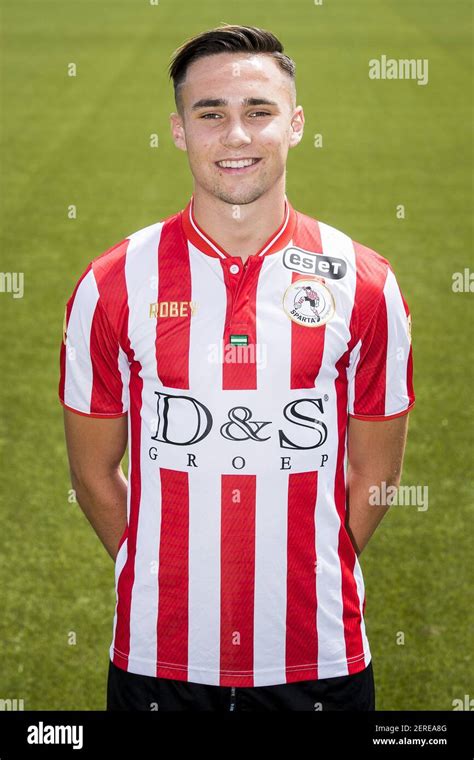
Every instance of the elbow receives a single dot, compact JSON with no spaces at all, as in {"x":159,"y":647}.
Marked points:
{"x":79,"y":485}
{"x":93,"y":479}
{"x":84,"y":480}
{"x":393,"y":475}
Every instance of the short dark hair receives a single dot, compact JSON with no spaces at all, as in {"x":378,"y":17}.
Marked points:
{"x":227,"y":38}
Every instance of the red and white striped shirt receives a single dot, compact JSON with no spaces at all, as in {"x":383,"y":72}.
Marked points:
{"x":235,"y":568}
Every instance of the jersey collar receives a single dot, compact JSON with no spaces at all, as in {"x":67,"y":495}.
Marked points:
{"x":196,"y":235}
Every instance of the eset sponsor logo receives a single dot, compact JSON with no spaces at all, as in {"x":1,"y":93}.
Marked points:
{"x":309,"y":262}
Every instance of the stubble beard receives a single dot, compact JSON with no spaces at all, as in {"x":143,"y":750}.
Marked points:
{"x":238,"y":197}
{"x":241,"y":196}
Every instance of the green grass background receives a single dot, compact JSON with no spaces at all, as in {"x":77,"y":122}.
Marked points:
{"x":85,"y":141}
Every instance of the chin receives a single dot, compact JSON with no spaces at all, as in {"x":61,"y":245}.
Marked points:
{"x":241,"y":197}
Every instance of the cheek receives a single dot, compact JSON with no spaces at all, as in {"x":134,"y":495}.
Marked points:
{"x":199,"y":144}
{"x":274,"y":138}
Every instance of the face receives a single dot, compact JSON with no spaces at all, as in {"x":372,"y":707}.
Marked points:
{"x":237,"y":107}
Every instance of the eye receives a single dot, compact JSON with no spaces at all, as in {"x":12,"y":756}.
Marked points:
{"x":212,"y":116}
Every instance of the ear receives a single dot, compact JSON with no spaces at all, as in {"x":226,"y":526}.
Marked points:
{"x":297,"y":126}
{"x":177,"y":131}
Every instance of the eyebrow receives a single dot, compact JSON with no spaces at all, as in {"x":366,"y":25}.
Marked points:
{"x":219,"y":102}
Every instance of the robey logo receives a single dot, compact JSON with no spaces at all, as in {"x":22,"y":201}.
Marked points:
{"x":196,"y":422}
{"x":172,"y":309}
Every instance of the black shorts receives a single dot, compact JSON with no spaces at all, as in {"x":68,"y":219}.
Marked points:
{"x":130,"y":691}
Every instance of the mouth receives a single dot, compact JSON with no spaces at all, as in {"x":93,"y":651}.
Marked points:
{"x":237,"y":165}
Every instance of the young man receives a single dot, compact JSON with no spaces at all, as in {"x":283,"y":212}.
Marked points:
{"x":258,"y":362}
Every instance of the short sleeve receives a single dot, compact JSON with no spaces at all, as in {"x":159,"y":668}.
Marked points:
{"x":94,"y":369}
{"x":381,"y":364}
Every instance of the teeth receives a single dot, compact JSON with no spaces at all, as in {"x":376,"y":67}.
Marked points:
{"x":237,"y":164}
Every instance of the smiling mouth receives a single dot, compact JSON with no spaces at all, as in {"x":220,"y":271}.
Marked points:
{"x":237,"y":165}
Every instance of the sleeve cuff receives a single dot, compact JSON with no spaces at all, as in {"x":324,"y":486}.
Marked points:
{"x":381,"y":417}
{"x":93,"y":414}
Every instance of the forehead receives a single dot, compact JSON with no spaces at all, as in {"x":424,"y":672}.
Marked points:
{"x":234,"y":75}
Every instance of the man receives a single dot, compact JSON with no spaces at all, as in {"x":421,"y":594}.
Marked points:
{"x":255,"y":426}
{"x":313,"y":298}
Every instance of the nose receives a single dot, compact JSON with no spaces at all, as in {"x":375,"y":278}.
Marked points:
{"x":235,"y":135}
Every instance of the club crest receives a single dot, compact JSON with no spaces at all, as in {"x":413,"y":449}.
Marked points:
{"x":309,"y":302}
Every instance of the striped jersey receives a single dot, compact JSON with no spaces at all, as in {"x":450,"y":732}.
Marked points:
{"x":237,"y":380}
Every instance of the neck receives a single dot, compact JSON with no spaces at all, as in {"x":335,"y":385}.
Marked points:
{"x":241,"y":230}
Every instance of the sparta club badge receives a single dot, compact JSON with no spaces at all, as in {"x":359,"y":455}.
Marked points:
{"x":309,"y":302}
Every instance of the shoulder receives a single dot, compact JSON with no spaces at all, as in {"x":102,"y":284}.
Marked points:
{"x":369,"y":278}
{"x":103,"y":280}
{"x":368,"y":267}
{"x":111,"y":262}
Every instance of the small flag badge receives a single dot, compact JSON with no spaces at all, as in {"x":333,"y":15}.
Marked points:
{"x":239,"y":340}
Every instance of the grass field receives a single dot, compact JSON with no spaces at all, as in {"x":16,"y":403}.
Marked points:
{"x":84,"y":140}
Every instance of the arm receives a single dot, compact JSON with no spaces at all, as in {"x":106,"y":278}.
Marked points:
{"x":95,"y":449}
{"x":375,"y":454}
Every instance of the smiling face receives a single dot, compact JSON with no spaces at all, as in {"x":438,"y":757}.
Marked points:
{"x":238,"y":120}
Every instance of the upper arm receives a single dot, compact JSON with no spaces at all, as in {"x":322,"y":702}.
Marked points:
{"x":381,"y":388}
{"x":95,"y":445}
{"x":94,"y":369}
{"x":381,"y":363}
{"x":93,"y":385}
{"x":375,"y":449}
